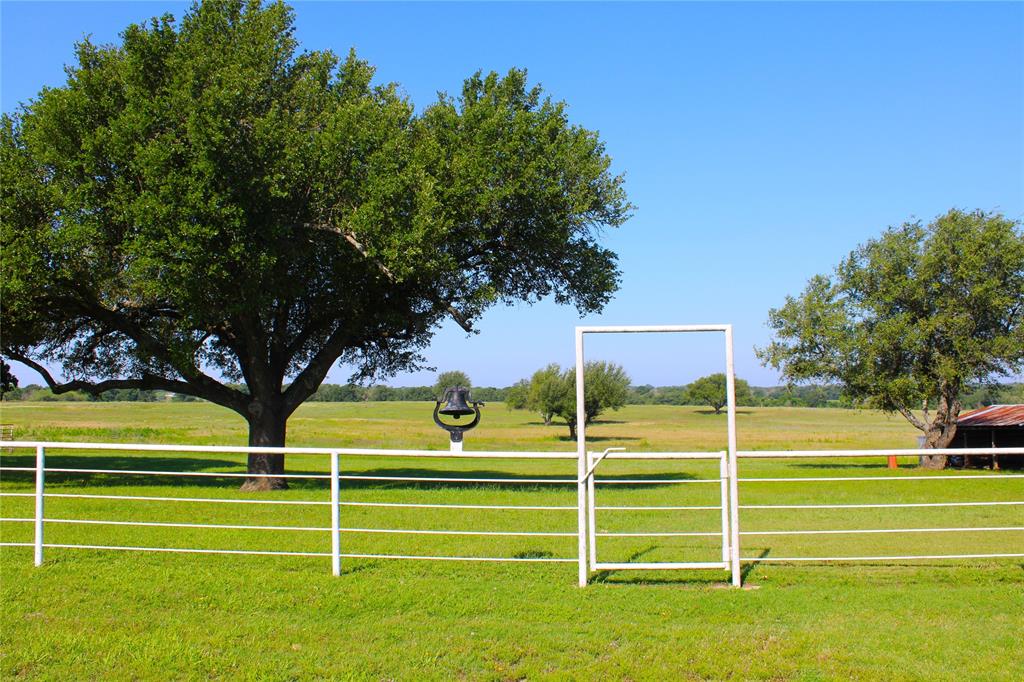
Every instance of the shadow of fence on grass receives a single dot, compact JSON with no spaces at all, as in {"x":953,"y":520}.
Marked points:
{"x":127,"y":461}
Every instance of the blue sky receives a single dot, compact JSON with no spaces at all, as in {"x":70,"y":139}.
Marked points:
{"x":760,"y":142}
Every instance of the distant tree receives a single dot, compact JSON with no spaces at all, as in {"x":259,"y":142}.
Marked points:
{"x":446,"y":380}
{"x":605,"y":385}
{"x":490,"y":394}
{"x":548,"y":392}
{"x":911,"y":319}
{"x":205,"y":201}
{"x":711,"y":390}
{"x":670,"y":395}
{"x":380,"y":394}
{"x":517,"y":395}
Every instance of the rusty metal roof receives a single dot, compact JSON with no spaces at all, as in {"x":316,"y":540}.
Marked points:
{"x":993,"y":415}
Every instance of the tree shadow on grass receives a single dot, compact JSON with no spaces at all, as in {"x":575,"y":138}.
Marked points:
{"x":849,"y":465}
{"x":482,"y":477}
{"x":137,"y":463}
{"x":378,"y":478}
{"x":599,"y":439}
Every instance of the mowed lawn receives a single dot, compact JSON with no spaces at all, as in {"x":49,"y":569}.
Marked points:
{"x":90,"y":614}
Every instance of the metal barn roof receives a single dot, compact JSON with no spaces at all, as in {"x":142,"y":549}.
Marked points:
{"x":993,"y":415}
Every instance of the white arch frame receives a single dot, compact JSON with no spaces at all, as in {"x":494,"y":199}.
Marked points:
{"x":585,"y":473}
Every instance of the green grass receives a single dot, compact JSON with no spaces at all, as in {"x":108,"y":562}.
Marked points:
{"x":89,"y":614}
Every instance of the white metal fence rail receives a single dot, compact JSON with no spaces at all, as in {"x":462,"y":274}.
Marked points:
{"x":334,"y":502}
{"x":938,"y":479}
{"x":587,"y":558}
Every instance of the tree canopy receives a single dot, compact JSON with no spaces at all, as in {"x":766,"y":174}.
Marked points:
{"x":203,"y":203}
{"x":8,"y":382}
{"x":711,"y":390}
{"x":449,"y":379}
{"x":552,"y":392}
{"x":911,"y":319}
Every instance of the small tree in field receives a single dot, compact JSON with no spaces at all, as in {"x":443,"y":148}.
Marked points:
{"x":711,"y":390}
{"x":605,"y":385}
{"x":452,"y":378}
{"x":548,"y":392}
{"x":518,"y":395}
{"x":552,"y":392}
{"x":910,"y":319}
{"x":205,"y":204}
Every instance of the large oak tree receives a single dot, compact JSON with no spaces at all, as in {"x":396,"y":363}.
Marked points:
{"x":910,"y":319}
{"x":205,"y":204}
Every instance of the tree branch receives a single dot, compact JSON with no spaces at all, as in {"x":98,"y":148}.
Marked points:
{"x":910,"y":417}
{"x":358,"y":246}
{"x":147,"y":382}
{"x":309,"y":379}
{"x":196,"y":382}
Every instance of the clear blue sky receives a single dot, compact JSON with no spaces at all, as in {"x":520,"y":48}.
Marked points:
{"x":760,"y":142}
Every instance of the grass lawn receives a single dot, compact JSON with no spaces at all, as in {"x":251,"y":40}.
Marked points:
{"x":118,"y":615}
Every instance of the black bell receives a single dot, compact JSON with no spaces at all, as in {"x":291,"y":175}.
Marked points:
{"x":456,"y":398}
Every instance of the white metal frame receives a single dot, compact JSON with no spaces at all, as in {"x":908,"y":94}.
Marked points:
{"x":727,"y":470}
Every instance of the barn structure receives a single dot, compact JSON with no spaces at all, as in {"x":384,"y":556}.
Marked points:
{"x":995,"y":426}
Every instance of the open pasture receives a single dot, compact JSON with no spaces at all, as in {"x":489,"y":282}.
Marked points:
{"x":92,"y":614}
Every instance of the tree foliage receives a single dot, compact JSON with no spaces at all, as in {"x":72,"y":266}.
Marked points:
{"x":204,"y":201}
{"x":8,"y":382}
{"x":449,"y":379}
{"x":711,"y":390}
{"x":552,"y":392}
{"x":909,"y":320}
{"x":549,"y":392}
{"x":517,"y":395}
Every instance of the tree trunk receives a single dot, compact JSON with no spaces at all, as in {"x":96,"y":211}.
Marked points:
{"x":941,"y":431}
{"x":572,"y":430}
{"x":266,"y":429}
{"x":937,"y":436}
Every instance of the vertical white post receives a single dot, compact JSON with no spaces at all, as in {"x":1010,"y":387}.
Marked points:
{"x":591,"y":509}
{"x":335,"y":520}
{"x":734,"y":511}
{"x":40,"y":478}
{"x":581,"y":462}
{"x":723,"y":475}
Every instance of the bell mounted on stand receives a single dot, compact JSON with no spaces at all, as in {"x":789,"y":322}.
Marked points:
{"x":458,"y":404}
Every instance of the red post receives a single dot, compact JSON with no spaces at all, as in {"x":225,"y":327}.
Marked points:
{"x":892,"y":462}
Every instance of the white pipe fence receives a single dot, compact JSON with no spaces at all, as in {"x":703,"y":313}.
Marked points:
{"x":1017,"y":551}
{"x":728,"y":490}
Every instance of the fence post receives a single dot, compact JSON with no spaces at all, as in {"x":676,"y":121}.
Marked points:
{"x":592,"y":509}
{"x":40,"y":479}
{"x":734,"y":510}
{"x":723,"y":476}
{"x":581,"y":462}
{"x":335,"y":521}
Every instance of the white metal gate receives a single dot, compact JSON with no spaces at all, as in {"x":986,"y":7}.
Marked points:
{"x":594,"y":459}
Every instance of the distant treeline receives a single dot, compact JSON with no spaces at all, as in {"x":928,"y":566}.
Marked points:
{"x":760,"y":396}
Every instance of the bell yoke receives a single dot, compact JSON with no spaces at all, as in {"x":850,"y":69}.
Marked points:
{"x":458,"y":401}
